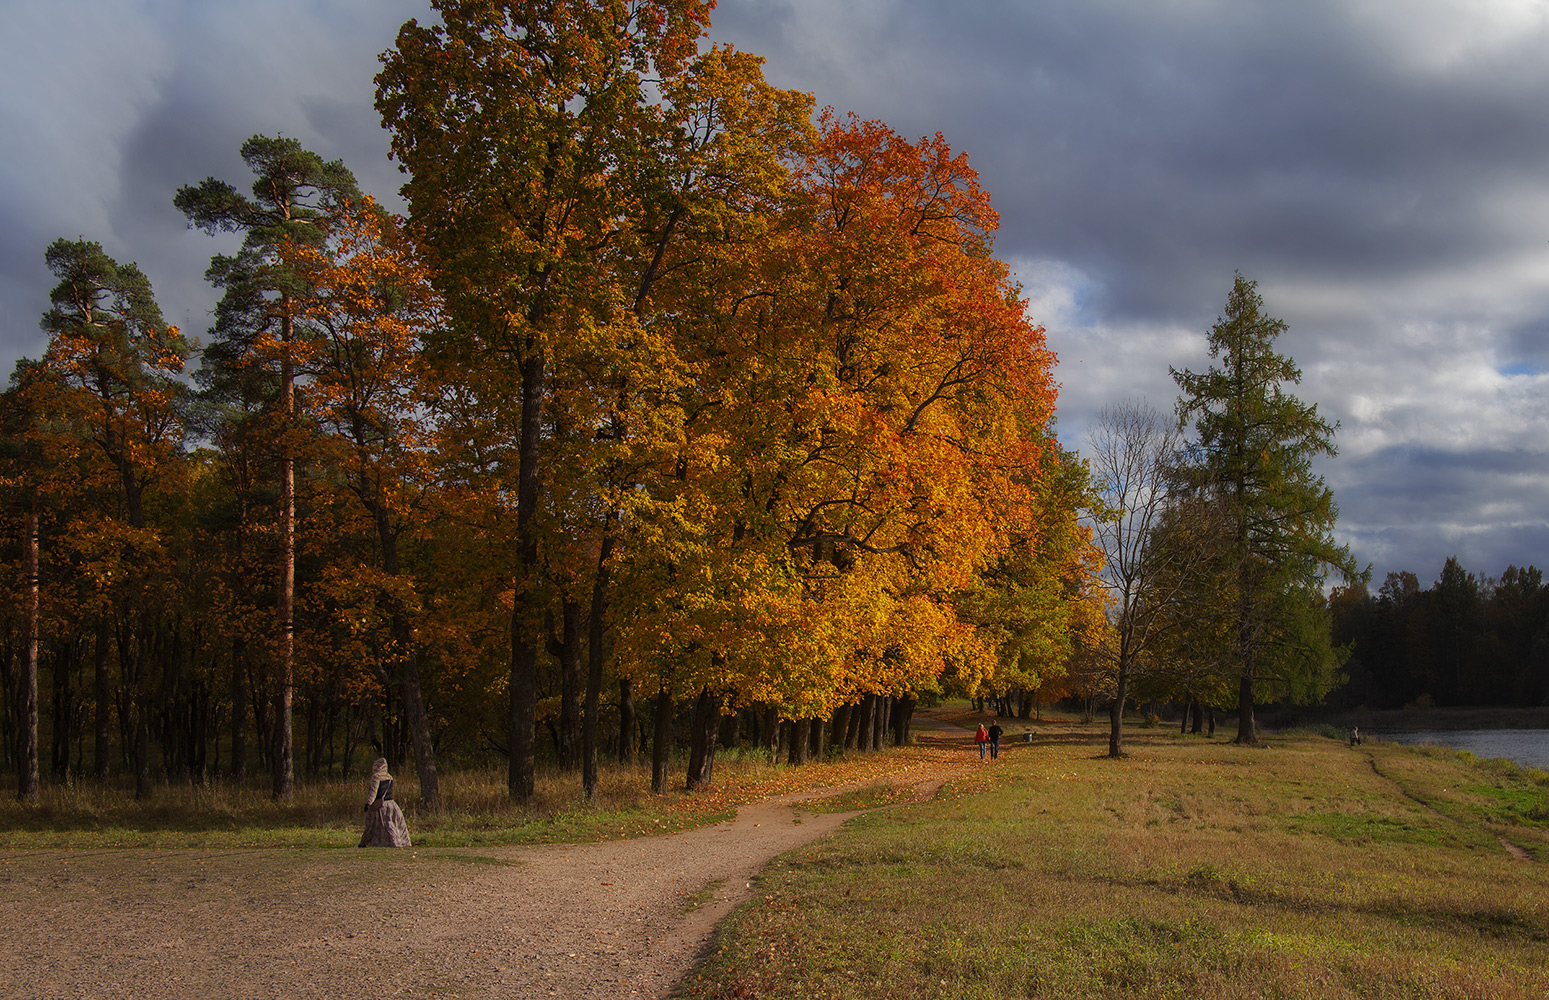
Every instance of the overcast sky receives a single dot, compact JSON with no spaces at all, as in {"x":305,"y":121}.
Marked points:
{"x":1380,"y":167}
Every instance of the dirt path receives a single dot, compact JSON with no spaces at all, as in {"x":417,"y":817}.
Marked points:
{"x":620,"y":919}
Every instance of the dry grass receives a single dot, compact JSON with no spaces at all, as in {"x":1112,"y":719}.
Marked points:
{"x":1191,"y":868}
{"x":477,"y":809}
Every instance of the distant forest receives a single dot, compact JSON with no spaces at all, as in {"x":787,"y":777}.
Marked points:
{"x":1466,"y":640}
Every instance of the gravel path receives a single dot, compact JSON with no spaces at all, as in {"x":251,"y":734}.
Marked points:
{"x":620,"y":919}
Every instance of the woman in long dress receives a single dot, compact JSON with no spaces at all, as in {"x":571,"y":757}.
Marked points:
{"x":385,"y":826}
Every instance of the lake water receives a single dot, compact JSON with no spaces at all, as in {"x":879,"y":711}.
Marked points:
{"x":1525,"y":746}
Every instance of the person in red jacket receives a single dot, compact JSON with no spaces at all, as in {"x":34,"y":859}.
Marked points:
{"x":982,"y":737}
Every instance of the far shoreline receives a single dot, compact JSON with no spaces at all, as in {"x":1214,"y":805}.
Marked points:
{"x":1420,"y":718}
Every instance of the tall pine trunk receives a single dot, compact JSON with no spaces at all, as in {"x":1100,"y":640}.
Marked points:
{"x":102,"y":685}
{"x":238,"y":708}
{"x":27,"y":776}
{"x":284,"y":765}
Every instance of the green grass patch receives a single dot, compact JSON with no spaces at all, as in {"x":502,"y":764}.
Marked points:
{"x":1515,"y":803}
{"x":884,"y":793}
{"x":694,"y":900}
{"x":1362,"y":826}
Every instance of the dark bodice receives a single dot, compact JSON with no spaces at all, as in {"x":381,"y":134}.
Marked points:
{"x":384,"y":791}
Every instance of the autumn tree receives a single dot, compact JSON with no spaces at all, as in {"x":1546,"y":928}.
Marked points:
{"x":1252,"y":453}
{"x":119,"y":365}
{"x":294,"y":192}
{"x":1040,"y":600}
{"x":865,"y":426}
{"x":369,"y":303}
{"x":556,"y":153}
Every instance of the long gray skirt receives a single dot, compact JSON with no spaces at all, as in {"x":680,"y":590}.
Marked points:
{"x":385,"y":826}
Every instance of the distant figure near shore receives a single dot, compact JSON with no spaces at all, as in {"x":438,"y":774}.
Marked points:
{"x":385,"y":825}
{"x":1355,"y":736}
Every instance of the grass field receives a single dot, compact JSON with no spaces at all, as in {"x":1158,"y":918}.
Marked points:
{"x":1193,"y":868}
{"x":477,"y":809}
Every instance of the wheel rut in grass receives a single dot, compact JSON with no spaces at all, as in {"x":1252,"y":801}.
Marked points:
{"x":1515,"y":850}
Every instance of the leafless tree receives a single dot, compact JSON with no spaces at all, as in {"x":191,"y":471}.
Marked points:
{"x":1133,"y":452}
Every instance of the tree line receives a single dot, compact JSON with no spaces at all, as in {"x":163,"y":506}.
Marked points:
{"x":670,"y":401}
{"x":1465,"y":640}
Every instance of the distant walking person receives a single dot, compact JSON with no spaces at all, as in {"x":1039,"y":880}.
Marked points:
{"x":982,"y":737}
{"x":995,"y":732}
{"x":1355,"y":736}
{"x":385,"y":826}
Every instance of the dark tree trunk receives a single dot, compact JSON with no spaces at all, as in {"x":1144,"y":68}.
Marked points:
{"x":567,"y":650}
{"x":1183,"y":726}
{"x":731,"y":730}
{"x":801,"y":737}
{"x":769,"y":732}
{"x":1247,"y":732}
{"x":238,"y":709}
{"x":525,"y":597}
{"x":1199,"y":723}
{"x":903,"y":716}
{"x":407,"y":668}
{"x":701,"y":755}
{"x":596,"y":627}
{"x":626,"y":720}
{"x":662,"y":744}
{"x":868,"y":713}
{"x":879,"y":724}
{"x":839,"y":727}
{"x":819,"y":734}
{"x":1116,"y":716}
{"x":64,"y":707}
{"x":101,"y":656}
{"x":419,"y":725}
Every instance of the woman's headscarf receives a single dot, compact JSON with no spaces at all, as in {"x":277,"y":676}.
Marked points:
{"x":376,"y":777}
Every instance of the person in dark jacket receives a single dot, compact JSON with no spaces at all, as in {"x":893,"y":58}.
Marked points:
{"x":995,"y":733}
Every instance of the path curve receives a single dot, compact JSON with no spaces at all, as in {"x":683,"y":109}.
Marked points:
{"x":618,"y":919}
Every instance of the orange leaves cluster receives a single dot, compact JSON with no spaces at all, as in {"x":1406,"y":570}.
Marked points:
{"x":868,"y":431}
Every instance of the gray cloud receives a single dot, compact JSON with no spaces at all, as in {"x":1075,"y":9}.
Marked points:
{"x":1378,"y":168}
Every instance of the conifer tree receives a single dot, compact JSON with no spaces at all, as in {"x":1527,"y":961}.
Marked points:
{"x":1253,"y":451}
{"x":295,"y":191}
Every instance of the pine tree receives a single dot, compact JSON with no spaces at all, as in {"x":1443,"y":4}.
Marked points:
{"x":256,"y":325}
{"x":1253,"y":455}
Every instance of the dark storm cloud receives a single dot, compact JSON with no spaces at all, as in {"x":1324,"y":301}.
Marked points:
{"x":113,"y":106}
{"x":1269,"y":136}
{"x":1378,"y":167}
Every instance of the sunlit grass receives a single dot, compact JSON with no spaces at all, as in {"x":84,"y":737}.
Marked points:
{"x":1191,"y":868}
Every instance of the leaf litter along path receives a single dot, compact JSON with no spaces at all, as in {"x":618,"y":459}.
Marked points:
{"x":624,"y":918}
